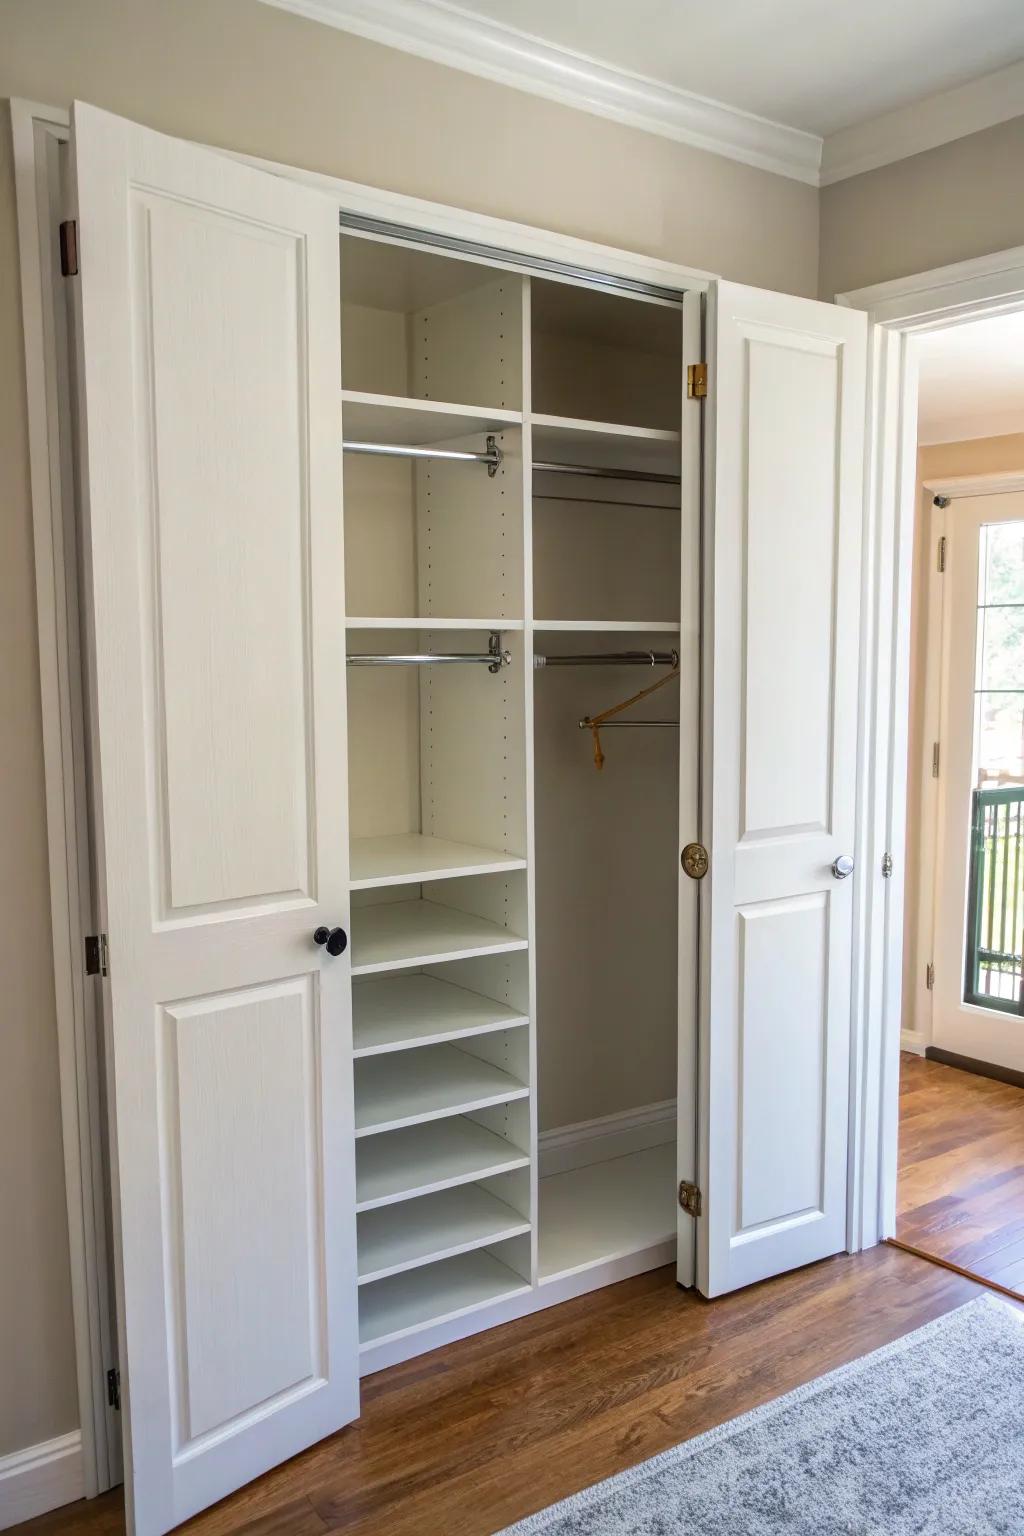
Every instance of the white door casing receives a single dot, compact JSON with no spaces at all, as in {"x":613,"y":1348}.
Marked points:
{"x":784,"y":466}
{"x":208,"y":366}
{"x":984,"y":1034}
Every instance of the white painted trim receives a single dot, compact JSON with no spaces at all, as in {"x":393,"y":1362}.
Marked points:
{"x":938,"y":119}
{"x":596,"y":1141}
{"x":964,"y":429}
{"x":36,"y":132}
{"x":913,"y":1041}
{"x":446,"y":34}
{"x":1001,"y":484}
{"x":40,"y":1478}
{"x":897,"y":310}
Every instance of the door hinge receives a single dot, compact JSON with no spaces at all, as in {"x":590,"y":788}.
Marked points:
{"x":929,"y":976}
{"x":114,"y":1389}
{"x":935,"y":759}
{"x":942,"y":553}
{"x":697,"y":381}
{"x":886,"y":866}
{"x":69,"y":248}
{"x":96,"y":954}
{"x":689,"y":1198}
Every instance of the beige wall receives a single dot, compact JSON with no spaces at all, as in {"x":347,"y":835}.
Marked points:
{"x":963,"y":199}
{"x":980,"y":456}
{"x":238,"y":74}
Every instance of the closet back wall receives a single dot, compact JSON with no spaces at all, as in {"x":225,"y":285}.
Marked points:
{"x":243,"y":75}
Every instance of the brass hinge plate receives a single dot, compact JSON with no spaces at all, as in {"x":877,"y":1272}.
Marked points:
{"x":941,"y":562}
{"x":96,"y":956}
{"x":689,"y":1198}
{"x":929,"y":976}
{"x":697,"y":381}
{"x":69,"y":248}
{"x":935,"y":759}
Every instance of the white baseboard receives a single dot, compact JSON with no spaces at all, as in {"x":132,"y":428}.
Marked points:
{"x":595,"y":1141}
{"x":911,"y":1040}
{"x":40,"y":1478}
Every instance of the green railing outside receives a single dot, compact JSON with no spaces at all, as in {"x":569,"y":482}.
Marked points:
{"x":994,"y":975}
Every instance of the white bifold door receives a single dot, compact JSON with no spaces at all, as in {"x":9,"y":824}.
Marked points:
{"x":207,"y":333}
{"x":783,"y":514}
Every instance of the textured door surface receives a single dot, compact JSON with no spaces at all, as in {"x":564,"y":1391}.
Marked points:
{"x":782,"y":635}
{"x":208,"y":340}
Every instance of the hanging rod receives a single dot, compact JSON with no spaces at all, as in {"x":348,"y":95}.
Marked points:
{"x":492,"y":458}
{"x":602,"y":472}
{"x":494,"y":658}
{"x":608,"y":501}
{"x":612,"y":659}
{"x":625,"y":725}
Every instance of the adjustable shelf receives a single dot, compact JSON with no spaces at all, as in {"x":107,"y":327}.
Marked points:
{"x":426,"y":623}
{"x":399,"y":1012}
{"x":606,"y":1211}
{"x":608,"y":626}
{"x":437,"y":1293}
{"x":435,"y":1227}
{"x":650,"y":449}
{"x":402,"y":1089}
{"x":393,"y":935}
{"x":406,"y":1164}
{"x":406,"y":858}
{"x":374,"y":418}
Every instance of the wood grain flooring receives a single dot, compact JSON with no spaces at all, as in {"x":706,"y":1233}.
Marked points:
{"x":961,"y":1182}
{"x":466,"y":1440}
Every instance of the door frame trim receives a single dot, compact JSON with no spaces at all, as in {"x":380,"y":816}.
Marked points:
{"x":898,"y":311}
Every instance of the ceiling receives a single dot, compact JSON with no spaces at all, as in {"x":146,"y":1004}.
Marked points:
{"x":811,"y":64}
{"x":972,"y":380}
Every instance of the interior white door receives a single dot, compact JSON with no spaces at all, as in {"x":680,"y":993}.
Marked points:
{"x":978,"y":994}
{"x":208,"y":344}
{"x":784,"y":453}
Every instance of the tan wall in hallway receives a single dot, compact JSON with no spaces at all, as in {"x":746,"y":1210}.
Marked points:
{"x":239,"y":74}
{"x":980,"y":456}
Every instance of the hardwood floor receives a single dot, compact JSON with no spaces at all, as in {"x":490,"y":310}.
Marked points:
{"x":961,"y":1181}
{"x":466,"y":1440}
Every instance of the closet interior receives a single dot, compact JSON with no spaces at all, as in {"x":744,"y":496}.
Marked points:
{"x":512,"y":569}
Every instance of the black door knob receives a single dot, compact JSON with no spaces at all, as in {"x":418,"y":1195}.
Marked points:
{"x":336,"y":939}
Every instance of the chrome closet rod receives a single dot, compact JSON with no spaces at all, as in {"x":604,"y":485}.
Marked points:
{"x":602,"y":472}
{"x":612,"y":659}
{"x":492,"y":457}
{"x":494,"y":658}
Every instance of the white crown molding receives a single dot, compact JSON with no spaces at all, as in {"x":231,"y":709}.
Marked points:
{"x":434,"y":29}
{"x":924,"y":125}
{"x":965,"y":429}
{"x":40,"y":1478}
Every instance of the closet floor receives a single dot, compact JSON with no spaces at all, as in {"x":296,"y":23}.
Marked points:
{"x":472,"y":1437}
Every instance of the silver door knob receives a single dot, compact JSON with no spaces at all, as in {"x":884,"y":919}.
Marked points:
{"x":842,"y":866}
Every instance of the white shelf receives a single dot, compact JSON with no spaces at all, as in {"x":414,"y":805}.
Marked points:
{"x":393,"y":1308}
{"x":607,"y":626}
{"x":440,"y":1226}
{"x":606,"y":1211}
{"x":406,"y":858}
{"x":408,"y":1089}
{"x":563,"y":429}
{"x":607,"y":443}
{"x":424,"y":1158}
{"x":399,"y":1012}
{"x":394,"y":934}
{"x":368,"y":418}
{"x":426,"y":623}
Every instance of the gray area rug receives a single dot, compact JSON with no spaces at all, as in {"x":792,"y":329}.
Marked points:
{"x":922,"y":1438}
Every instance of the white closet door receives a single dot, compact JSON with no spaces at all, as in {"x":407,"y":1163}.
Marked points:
{"x":785,"y":447}
{"x":208,"y":339}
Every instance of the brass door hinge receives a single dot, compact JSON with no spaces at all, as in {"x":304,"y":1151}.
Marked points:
{"x":689,"y":1198}
{"x":96,"y":954}
{"x":929,"y":976}
{"x":69,"y":248}
{"x":696,"y":381}
{"x":942,"y":554}
{"x":694,"y":859}
{"x":935,"y":759}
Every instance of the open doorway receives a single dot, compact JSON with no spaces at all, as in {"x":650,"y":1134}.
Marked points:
{"x":960,"y":1188}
